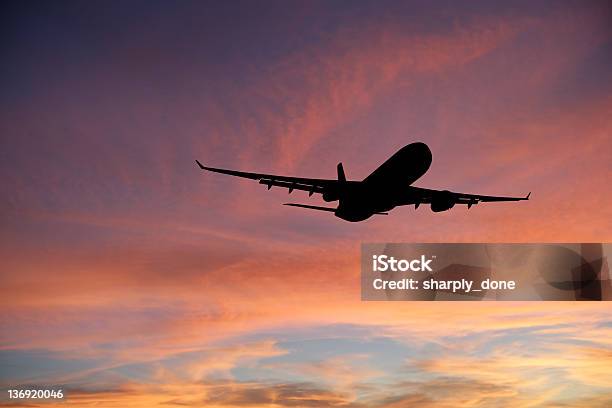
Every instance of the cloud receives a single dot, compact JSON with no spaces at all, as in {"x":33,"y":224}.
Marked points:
{"x":347,"y":373}
{"x":117,"y":250}
{"x":220,"y":361}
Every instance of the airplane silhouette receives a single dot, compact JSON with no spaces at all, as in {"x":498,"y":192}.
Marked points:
{"x":387,"y":187}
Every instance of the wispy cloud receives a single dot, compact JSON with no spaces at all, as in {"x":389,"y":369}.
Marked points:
{"x":137,"y":281}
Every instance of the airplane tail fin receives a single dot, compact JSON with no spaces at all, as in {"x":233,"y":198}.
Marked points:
{"x":341,"y":176}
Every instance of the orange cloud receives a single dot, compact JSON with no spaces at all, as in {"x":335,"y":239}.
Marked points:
{"x":187,"y":271}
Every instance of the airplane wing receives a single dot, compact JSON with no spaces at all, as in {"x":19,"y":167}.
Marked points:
{"x":425,"y":196}
{"x":292,"y":183}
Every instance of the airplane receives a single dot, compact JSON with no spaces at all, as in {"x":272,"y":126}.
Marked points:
{"x":389,"y":186}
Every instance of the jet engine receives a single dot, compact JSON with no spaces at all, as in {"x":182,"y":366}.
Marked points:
{"x":442,"y":201}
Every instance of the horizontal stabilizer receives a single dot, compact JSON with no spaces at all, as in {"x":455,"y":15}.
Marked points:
{"x":311,"y":207}
{"x":316,"y":207}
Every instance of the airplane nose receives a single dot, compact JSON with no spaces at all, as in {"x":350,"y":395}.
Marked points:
{"x":420,"y":156}
{"x":423,"y":151}
{"x":418,"y":150}
{"x":420,"y":147}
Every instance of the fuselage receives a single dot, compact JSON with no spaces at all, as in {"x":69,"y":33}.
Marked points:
{"x":382,"y":190}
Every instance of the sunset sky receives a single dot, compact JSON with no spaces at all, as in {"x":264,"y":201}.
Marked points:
{"x":130,"y":278}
